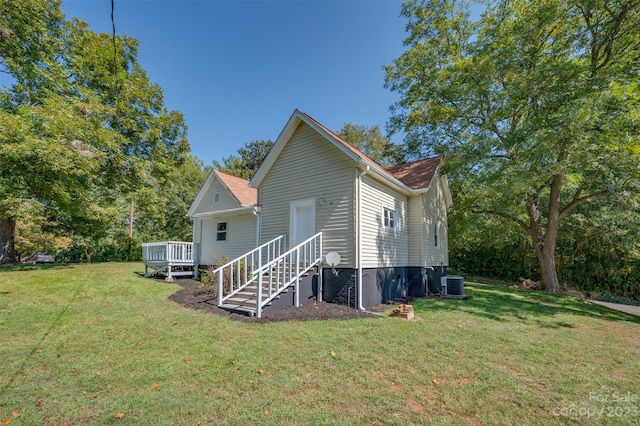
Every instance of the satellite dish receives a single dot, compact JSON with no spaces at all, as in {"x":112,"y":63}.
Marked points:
{"x":332,"y":258}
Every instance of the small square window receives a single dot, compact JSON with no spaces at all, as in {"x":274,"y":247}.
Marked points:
{"x":389,"y":218}
{"x":221,"y":234}
{"x":216,"y":197}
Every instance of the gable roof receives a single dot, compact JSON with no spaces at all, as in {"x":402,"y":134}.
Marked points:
{"x":405,"y":185}
{"x":237,"y":187}
{"x":416,"y":174}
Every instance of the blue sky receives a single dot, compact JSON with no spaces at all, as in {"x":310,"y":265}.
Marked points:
{"x":238,"y":69}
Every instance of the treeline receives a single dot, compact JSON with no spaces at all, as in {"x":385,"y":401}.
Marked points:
{"x":87,"y":146}
{"x":598,"y":250}
{"x":544,"y":170}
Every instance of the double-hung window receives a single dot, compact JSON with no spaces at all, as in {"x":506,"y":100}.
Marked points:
{"x":221,"y":231}
{"x":389,"y":218}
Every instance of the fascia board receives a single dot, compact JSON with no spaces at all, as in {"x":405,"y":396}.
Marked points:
{"x":228,"y":212}
{"x":201,"y":194}
{"x":276,"y":149}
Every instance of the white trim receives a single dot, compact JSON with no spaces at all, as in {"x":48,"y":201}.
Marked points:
{"x":359,"y":238}
{"x":392,"y":210}
{"x":201,"y":194}
{"x":298,"y":117}
{"x":311,"y":202}
{"x":228,"y":212}
{"x":203,"y":191}
{"x":223,"y":231}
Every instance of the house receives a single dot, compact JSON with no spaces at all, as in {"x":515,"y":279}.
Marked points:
{"x":364,"y":234}
{"x":224,"y":215}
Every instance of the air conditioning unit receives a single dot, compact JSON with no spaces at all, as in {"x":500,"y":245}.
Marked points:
{"x":452,"y":287}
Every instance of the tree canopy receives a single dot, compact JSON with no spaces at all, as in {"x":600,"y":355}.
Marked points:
{"x":81,"y":125}
{"x":248,"y":160}
{"x":371,"y":141}
{"x":533,"y":105}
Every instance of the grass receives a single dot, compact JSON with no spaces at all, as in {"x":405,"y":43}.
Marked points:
{"x":97,"y":344}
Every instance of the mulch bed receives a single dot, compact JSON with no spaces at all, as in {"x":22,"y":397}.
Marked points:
{"x":194,"y":295}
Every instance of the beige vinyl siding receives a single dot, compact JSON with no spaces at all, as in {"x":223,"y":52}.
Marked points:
{"x":417,"y":231}
{"x":435,"y":212}
{"x":241,"y":238}
{"x":382,"y":247}
{"x":309,"y":166}
{"x":226,"y":201}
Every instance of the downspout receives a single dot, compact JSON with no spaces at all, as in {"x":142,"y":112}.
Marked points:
{"x":359,"y":236}
{"x":256,"y":211}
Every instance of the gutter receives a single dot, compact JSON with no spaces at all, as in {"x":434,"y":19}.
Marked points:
{"x":359,"y":237}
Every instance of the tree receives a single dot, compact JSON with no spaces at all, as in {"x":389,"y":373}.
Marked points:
{"x":371,"y":141}
{"x":533,"y":105}
{"x":246,"y":163}
{"x":80,"y":125}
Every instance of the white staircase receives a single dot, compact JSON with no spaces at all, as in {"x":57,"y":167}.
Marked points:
{"x":252,"y":281}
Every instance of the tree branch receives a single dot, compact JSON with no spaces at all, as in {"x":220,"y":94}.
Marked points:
{"x":521,"y":223}
{"x":577,"y":200}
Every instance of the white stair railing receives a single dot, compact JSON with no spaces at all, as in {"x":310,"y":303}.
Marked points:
{"x":235,"y":275}
{"x":278,"y":274}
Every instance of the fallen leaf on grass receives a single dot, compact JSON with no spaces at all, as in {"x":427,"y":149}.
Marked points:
{"x":155,"y":386}
{"x":120,"y":416}
{"x":6,"y":422}
{"x":265,"y":411}
{"x":436,"y":381}
{"x":333,"y":353}
{"x":260,"y":371}
{"x":15,"y":413}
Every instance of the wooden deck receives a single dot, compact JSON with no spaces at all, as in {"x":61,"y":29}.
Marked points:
{"x":170,"y":258}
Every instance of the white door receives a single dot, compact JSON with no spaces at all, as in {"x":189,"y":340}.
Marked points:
{"x":303,"y":220}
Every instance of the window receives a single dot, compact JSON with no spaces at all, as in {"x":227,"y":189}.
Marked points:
{"x":389,"y":218}
{"x":436,"y":234}
{"x":216,"y":197}
{"x":221,"y":234}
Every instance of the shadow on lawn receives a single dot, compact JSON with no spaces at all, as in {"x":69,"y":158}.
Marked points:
{"x":506,"y":304}
{"x":34,"y":267}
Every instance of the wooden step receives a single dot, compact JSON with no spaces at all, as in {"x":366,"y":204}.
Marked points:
{"x":234,"y":308}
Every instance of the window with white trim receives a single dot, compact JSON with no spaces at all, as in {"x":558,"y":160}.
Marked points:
{"x":436,"y":234}
{"x":221,"y":231}
{"x":389,"y":218}
{"x":216,"y":197}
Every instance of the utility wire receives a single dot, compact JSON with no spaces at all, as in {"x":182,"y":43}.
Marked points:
{"x":115,"y":52}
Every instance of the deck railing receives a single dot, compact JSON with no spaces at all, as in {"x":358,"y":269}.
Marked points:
{"x":233,"y":276}
{"x":172,"y":252}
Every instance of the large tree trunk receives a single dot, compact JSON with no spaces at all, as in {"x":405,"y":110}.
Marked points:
{"x":544,"y":241}
{"x":7,"y":239}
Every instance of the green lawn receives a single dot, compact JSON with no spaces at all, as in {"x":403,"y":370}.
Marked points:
{"x":97,"y":344}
